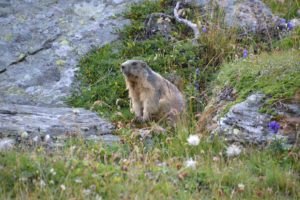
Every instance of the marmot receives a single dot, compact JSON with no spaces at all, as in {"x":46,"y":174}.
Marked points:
{"x":152,"y":96}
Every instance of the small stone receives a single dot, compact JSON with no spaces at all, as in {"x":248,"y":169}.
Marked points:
{"x":47,"y":138}
{"x":6,"y":144}
{"x":236,"y":131}
{"x":76,"y":111}
{"x":35,"y":139}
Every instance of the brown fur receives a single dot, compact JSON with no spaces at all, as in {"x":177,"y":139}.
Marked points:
{"x":152,"y":96}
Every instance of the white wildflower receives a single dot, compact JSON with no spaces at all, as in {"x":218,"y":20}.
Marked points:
{"x":72,"y":148}
{"x":190,"y":163}
{"x":94,"y":175}
{"x":78,"y":180}
{"x":24,"y":134}
{"x":233,"y":150}
{"x":87,"y":192}
{"x":98,"y":197}
{"x":241,"y":187}
{"x":51,"y":182}
{"x":62,"y":187}
{"x":42,"y":183}
{"x":193,"y":140}
{"x":47,"y":138}
{"x":216,"y":159}
{"x":23,"y":179}
{"x":52,"y":171}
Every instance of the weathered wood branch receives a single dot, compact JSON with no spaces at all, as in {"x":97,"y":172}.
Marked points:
{"x":190,"y":24}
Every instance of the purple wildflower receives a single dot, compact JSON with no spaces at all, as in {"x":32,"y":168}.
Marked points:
{"x":274,"y":126}
{"x":245,"y":53}
{"x":197,"y":86}
{"x":290,"y":25}
{"x":204,"y":29}
{"x":282,"y":20}
{"x":197,"y":71}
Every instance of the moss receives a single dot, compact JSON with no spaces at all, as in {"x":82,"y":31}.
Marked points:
{"x":276,"y":74}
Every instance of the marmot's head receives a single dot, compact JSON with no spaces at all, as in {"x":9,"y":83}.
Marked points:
{"x":134,"y":69}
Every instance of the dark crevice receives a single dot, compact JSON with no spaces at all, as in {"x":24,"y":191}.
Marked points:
{"x":2,"y":70}
{"x":46,"y":45}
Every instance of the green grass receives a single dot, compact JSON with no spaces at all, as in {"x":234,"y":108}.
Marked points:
{"x":277,"y":75}
{"x":136,"y":169}
{"x":100,"y":70}
{"x":286,"y":8}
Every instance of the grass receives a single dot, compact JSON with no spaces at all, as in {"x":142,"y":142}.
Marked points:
{"x":100,"y":69}
{"x":286,"y":9}
{"x":135,"y":169}
{"x":277,"y":75}
{"x":155,"y":168}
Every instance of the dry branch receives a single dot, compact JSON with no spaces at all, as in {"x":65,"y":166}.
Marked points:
{"x":186,"y":22}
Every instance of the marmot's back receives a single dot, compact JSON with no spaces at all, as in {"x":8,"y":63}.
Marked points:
{"x":172,"y":94}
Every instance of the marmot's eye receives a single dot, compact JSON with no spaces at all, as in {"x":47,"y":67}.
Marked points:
{"x":134,"y":63}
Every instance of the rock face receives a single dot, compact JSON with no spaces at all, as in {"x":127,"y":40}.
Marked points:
{"x":252,"y":16}
{"x":245,"y":124}
{"x":41,"y":43}
{"x":41,"y":121}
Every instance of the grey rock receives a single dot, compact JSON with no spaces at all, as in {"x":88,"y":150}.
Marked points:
{"x":108,"y":139}
{"x":159,"y":23}
{"x":16,"y":119}
{"x":244,"y":123}
{"x":252,"y":16}
{"x":6,"y":144}
{"x":41,"y":43}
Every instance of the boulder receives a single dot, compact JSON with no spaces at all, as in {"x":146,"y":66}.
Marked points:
{"x":41,"y":43}
{"x":245,"y":123}
{"x":251,"y":16}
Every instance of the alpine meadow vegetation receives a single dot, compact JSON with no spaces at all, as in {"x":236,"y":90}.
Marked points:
{"x":172,"y":162}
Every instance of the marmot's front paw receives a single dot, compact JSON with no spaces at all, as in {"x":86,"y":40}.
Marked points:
{"x":146,"y":118}
{"x":138,"y":120}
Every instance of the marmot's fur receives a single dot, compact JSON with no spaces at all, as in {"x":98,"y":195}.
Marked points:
{"x":152,"y":96}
